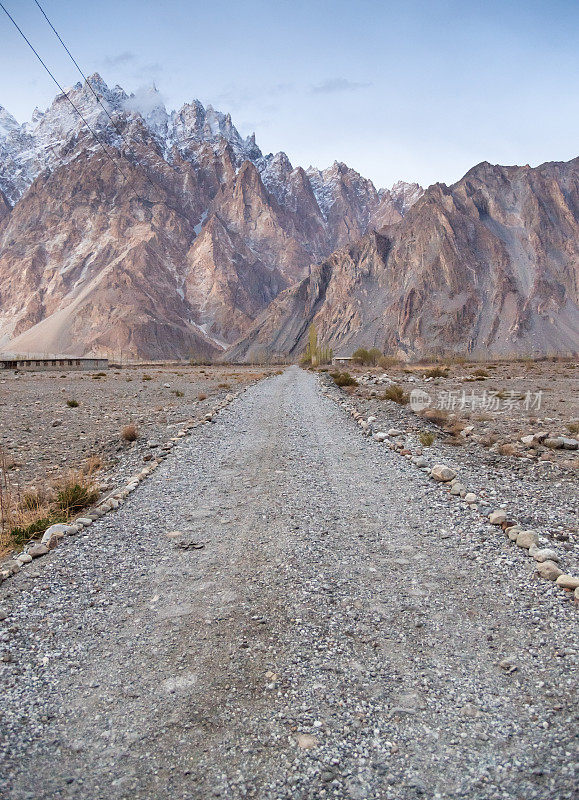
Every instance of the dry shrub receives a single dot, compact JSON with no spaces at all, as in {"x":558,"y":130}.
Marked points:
{"x":438,"y":416}
{"x":573,"y":427}
{"x":223,"y":386}
{"x":130,"y":433}
{"x":387,"y":362}
{"x":436,"y":372}
{"x":427,"y":438}
{"x":74,"y":491}
{"x":396,"y":394}
{"x":201,"y":396}
{"x":72,"y":403}
{"x":343,"y":378}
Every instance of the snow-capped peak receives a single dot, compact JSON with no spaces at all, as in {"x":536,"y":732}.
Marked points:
{"x":7,"y":123}
{"x":50,"y":138}
{"x":194,"y":124}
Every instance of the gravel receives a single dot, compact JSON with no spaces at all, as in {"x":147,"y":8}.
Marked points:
{"x":542,"y":495}
{"x":345,"y":629}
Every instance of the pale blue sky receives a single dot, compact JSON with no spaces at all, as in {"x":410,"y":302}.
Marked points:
{"x":414,"y":90}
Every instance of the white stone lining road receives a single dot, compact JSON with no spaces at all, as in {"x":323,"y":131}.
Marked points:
{"x":323,"y":626}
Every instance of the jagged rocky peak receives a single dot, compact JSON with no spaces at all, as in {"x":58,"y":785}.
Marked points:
{"x":7,"y":122}
{"x":404,"y":195}
{"x":334,"y":182}
{"x":194,"y":124}
{"x":275,"y":174}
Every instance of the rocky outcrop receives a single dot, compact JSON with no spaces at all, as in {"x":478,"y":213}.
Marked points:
{"x":487,"y":266}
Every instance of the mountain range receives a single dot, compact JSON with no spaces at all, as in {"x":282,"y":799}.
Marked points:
{"x":167,"y":236}
{"x":170,"y":235}
{"x":488,"y":266}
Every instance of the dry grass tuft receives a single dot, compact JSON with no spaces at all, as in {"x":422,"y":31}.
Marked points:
{"x":427,"y":438}
{"x":25,"y":515}
{"x":438,"y":416}
{"x":201,"y":396}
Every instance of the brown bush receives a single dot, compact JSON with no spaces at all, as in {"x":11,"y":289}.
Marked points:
{"x":436,"y":415}
{"x":396,"y":394}
{"x":201,"y":396}
{"x":436,"y":372}
{"x":130,"y":433}
{"x":343,"y":378}
{"x":387,"y":362}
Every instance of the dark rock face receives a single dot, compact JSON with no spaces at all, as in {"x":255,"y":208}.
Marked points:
{"x":487,"y":266}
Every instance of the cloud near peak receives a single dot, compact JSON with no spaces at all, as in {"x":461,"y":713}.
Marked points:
{"x":119,"y":59}
{"x":332,"y":85}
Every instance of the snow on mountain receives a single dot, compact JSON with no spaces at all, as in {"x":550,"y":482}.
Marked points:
{"x":405,"y":195}
{"x":7,"y":123}
{"x":275,"y":172}
{"x":50,"y":139}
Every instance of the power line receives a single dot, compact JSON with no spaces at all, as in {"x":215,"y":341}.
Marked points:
{"x":152,"y":246}
{"x":98,"y":99}
{"x":21,"y":32}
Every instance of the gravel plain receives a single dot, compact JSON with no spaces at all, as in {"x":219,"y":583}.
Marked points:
{"x":321,"y":623}
{"x":41,"y":436}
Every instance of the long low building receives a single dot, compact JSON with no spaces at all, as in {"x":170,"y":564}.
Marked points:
{"x":60,"y":364}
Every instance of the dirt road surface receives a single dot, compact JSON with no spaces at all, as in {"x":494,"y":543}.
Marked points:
{"x":320,"y":629}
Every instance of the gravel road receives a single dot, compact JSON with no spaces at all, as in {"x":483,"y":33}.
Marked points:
{"x":323,"y":626}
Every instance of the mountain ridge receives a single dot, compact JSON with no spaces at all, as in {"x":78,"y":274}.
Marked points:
{"x":487,"y":266}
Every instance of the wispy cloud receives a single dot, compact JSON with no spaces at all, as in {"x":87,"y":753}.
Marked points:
{"x":120,"y":59}
{"x":148,"y":70}
{"x":145,"y":100}
{"x":332,"y":85}
{"x":235,"y":97}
